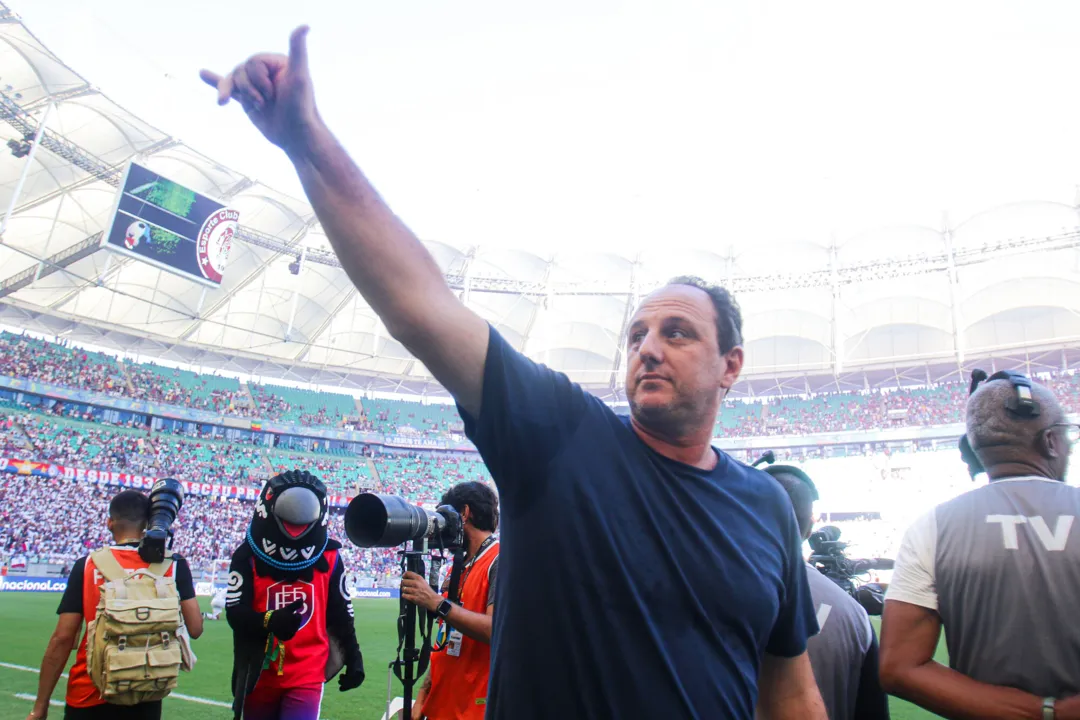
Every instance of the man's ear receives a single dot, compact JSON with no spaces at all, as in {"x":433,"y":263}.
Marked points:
{"x":1050,"y":444}
{"x":733,"y":360}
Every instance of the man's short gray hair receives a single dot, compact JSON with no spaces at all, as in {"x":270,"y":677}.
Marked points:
{"x":728,"y":314}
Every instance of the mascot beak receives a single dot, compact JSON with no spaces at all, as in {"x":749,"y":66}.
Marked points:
{"x":297,"y":510}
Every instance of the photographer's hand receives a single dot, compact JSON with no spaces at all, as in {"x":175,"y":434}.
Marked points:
{"x":285,"y":622}
{"x":416,"y":590}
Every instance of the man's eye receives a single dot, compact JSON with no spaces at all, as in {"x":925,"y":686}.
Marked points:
{"x":635,"y":338}
{"x":676,"y":333}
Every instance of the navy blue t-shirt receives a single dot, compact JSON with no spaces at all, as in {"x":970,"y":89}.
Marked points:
{"x":631,"y":585}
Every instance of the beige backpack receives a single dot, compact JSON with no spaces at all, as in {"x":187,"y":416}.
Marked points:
{"x":137,"y":643}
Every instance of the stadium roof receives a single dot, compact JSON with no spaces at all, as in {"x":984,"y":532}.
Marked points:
{"x":896,"y":304}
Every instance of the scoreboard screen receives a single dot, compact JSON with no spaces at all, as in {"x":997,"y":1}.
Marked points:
{"x":166,"y":224}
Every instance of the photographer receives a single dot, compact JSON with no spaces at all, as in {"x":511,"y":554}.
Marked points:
{"x":997,"y":568}
{"x":844,"y":653}
{"x":456,"y":686}
{"x":128,"y":514}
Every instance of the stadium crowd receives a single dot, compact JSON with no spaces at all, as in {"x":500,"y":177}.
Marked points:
{"x":54,"y":521}
{"x":28,"y":357}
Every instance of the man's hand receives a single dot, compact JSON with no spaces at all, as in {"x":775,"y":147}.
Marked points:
{"x":275,"y":92}
{"x":285,"y":622}
{"x":42,"y":714}
{"x":1067,"y":709}
{"x":416,"y":590}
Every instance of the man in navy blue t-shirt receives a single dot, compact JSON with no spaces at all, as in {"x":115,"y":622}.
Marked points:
{"x":643,"y":573}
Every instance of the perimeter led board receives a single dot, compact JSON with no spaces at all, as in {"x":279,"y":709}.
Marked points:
{"x":166,"y":224}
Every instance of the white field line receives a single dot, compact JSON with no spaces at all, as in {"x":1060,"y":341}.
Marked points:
{"x":32,"y":698}
{"x":178,"y":696}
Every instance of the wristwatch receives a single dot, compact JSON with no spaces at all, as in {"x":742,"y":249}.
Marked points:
{"x":1048,"y":709}
{"x":443,"y":611}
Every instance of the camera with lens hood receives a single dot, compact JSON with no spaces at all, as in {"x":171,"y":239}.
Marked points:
{"x":166,"y":498}
{"x":387,"y":521}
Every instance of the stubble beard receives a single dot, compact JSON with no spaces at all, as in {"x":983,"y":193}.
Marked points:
{"x":671,"y":421}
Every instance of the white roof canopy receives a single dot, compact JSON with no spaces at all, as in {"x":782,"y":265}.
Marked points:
{"x":1003,"y":282}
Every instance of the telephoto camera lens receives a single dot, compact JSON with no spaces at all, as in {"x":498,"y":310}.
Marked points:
{"x":166,"y":497}
{"x":388,"y":521}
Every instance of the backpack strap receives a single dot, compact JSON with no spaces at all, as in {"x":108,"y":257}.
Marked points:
{"x":160,"y":568}
{"x":107,"y":565}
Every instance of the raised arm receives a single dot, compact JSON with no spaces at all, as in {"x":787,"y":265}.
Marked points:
{"x":387,"y":263}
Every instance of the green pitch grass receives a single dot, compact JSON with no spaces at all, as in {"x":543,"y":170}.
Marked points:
{"x":27,"y":620}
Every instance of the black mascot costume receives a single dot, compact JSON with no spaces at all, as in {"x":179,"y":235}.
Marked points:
{"x":288,"y":606}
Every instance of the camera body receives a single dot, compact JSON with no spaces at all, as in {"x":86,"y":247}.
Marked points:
{"x":166,"y":498}
{"x":829,"y":557}
{"x":373,"y":520}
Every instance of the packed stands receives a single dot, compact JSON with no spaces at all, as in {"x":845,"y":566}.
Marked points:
{"x":117,"y":448}
{"x":175,"y":386}
{"x":54,"y":521}
{"x":394,"y":417}
{"x":24,"y":356}
{"x":345,"y":474}
{"x":306,"y":407}
{"x":424,"y":477}
{"x":27,"y":357}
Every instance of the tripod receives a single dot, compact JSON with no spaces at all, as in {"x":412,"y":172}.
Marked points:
{"x":404,"y":666}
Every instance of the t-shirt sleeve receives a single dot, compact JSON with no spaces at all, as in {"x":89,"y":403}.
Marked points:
{"x":185,"y":585}
{"x":796,"y":622}
{"x":493,"y":577}
{"x":913,"y":575}
{"x":71,"y":602}
{"x":527,"y":412}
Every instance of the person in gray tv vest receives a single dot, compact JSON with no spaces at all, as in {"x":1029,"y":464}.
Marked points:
{"x":997,"y":567}
{"x":844,"y":653}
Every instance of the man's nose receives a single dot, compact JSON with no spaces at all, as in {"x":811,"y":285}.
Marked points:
{"x":651,"y":350}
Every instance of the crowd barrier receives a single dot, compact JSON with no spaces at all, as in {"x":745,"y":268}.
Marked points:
{"x":202,"y":589}
{"x":139,"y":482}
{"x":206,"y":589}
{"x":32,"y":584}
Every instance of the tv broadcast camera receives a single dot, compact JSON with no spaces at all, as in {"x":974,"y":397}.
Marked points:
{"x":828,"y":556}
{"x":166,"y":497}
{"x":389,"y":521}
{"x":827,"y":552}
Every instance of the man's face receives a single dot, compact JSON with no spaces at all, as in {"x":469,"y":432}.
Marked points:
{"x":674,"y":370}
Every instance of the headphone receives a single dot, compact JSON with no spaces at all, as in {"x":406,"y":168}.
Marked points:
{"x":770,"y":457}
{"x":1021,"y":404}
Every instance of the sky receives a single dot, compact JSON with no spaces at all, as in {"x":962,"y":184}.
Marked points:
{"x":600,"y":125}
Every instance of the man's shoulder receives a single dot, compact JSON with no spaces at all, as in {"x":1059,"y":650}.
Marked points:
{"x":758,"y":488}
{"x":825,"y":592}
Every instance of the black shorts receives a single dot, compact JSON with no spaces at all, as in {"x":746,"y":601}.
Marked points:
{"x":142,"y":711}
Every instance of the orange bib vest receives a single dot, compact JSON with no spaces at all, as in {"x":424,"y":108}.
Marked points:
{"x":459,"y":685}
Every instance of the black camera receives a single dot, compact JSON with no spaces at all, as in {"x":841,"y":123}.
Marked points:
{"x":829,"y":557}
{"x":166,"y":497}
{"x":388,"y":521}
